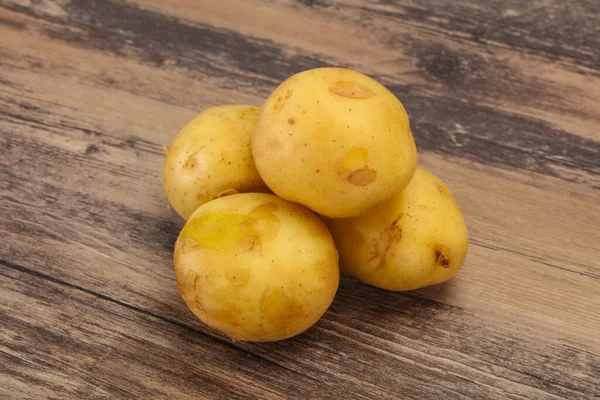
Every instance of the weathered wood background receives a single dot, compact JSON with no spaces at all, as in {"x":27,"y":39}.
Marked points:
{"x":504,"y":98}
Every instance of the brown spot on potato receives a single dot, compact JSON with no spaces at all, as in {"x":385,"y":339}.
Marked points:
{"x":440,"y":256}
{"x":190,"y":162}
{"x":227,"y":192}
{"x":387,"y":238}
{"x":443,"y":190}
{"x":202,"y":193}
{"x":362,"y":177}
{"x":354,"y":167}
{"x":292,"y":121}
{"x":351,"y":90}
{"x":278,"y":105}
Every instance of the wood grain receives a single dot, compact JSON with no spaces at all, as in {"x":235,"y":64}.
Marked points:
{"x":96,"y":347}
{"x":504,"y":103}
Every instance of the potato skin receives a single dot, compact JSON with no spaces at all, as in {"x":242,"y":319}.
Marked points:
{"x":416,"y":239}
{"x":335,"y":141}
{"x":212,"y":156}
{"x":256,"y":267}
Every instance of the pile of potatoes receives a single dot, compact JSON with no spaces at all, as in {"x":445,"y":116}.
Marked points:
{"x":328,"y":164}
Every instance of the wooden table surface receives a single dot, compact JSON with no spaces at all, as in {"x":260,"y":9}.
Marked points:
{"x":504,"y":100}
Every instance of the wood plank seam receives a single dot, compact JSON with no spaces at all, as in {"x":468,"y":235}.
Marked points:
{"x":145,"y":312}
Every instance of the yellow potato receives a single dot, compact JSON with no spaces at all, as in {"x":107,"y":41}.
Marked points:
{"x":334,"y":140}
{"x":416,"y":239}
{"x":212,"y":157}
{"x":256,"y":267}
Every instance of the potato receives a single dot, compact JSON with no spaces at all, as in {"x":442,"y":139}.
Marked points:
{"x":416,"y":239}
{"x":335,"y":141}
{"x":212,"y":157}
{"x":256,"y":267}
